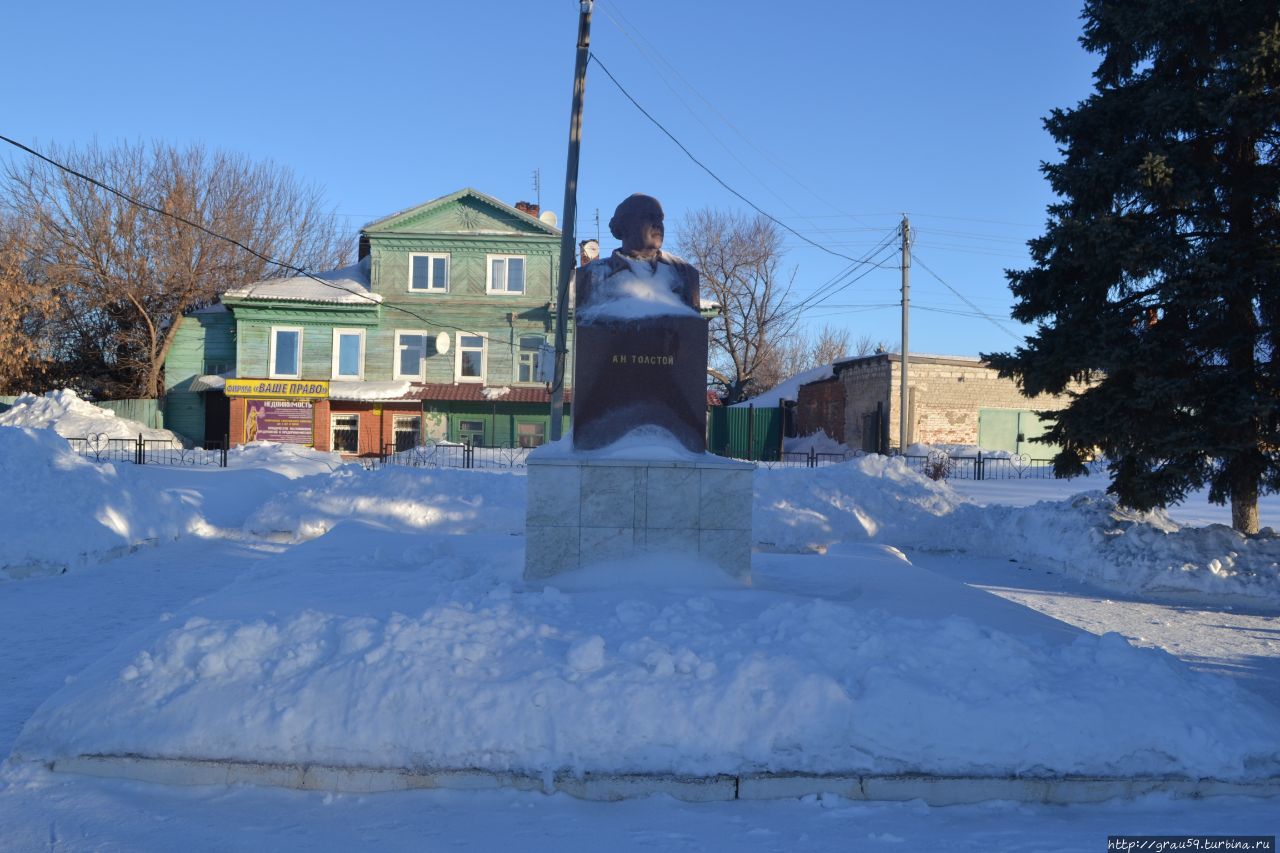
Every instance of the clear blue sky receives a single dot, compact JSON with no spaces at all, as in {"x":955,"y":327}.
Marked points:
{"x":835,"y":117}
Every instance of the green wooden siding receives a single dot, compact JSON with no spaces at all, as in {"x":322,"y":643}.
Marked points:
{"x":499,"y":421}
{"x":203,"y":343}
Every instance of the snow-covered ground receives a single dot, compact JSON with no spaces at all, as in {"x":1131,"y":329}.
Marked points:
{"x":298,"y":609}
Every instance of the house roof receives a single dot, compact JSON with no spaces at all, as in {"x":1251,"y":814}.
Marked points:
{"x":533,"y":223}
{"x":475,"y":392}
{"x":920,"y":357}
{"x":346,"y":286}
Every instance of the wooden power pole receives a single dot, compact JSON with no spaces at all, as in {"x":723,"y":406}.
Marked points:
{"x":904,"y":396}
{"x":570,"y":215}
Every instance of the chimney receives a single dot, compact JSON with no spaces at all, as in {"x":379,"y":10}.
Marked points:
{"x":529,"y":208}
{"x":362,"y":249}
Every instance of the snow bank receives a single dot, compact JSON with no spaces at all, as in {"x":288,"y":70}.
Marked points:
{"x":440,"y":500}
{"x":1087,"y":537}
{"x":367,"y":648}
{"x":291,"y":460}
{"x":66,"y":512}
{"x":818,"y":442}
{"x":69,"y":416}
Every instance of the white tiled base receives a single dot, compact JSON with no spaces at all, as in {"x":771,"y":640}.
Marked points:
{"x":584,"y":511}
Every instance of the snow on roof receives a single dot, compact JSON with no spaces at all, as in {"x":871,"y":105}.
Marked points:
{"x":346,"y":285}
{"x":788,"y":388}
{"x":368,"y":390}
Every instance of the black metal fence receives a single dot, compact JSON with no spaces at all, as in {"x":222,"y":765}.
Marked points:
{"x":1017,"y":466}
{"x":808,"y":459}
{"x":101,"y":447}
{"x":450,"y":455}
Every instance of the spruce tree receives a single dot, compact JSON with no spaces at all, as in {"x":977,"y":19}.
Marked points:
{"x":1158,"y":276}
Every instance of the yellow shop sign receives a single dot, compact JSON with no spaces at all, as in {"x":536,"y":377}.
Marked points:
{"x":305,"y":389}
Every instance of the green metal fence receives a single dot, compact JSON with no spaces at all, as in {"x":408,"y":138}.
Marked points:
{"x":749,"y":432}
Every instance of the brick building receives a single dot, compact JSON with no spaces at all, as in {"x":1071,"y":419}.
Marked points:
{"x":951,"y":400}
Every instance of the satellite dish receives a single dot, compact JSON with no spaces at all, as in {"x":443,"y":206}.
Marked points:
{"x":442,"y":343}
{"x":548,"y":217}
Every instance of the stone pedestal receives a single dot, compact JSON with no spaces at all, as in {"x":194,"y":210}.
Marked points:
{"x":584,"y":510}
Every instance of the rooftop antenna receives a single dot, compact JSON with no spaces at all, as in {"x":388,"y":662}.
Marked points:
{"x":597,"y":225}
{"x":537,"y":186}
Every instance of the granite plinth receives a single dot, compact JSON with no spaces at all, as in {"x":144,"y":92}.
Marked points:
{"x":629,"y":373}
{"x":583,"y":511}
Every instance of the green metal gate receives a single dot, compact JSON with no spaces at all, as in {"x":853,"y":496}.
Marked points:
{"x":1014,"y":430}
{"x":745,"y":433}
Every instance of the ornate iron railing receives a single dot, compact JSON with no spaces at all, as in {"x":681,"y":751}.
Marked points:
{"x":101,"y":447}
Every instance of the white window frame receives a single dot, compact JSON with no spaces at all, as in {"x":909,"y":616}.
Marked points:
{"x":334,"y":417}
{"x":489,"y":284}
{"x":520,"y":353}
{"x":484,"y":357}
{"x":395,"y":355}
{"x":337,"y":353}
{"x":431,"y":287}
{"x":271,"y":353}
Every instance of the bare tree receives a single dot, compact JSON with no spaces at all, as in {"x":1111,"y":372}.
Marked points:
{"x":121,"y":275}
{"x":25,"y":305}
{"x":797,"y":353}
{"x":831,"y":345}
{"x":739,"y":259}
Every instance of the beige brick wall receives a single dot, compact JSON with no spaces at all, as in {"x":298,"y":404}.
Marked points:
{"x":946,"y":394}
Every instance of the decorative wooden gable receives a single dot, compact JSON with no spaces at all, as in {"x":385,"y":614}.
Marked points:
{"x":466,"y":212}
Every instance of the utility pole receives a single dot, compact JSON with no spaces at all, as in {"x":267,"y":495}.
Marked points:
{"x":904,"y":397}
{"x":570,"y":214}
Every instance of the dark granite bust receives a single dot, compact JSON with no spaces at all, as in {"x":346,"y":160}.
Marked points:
{"x":640,"y":356}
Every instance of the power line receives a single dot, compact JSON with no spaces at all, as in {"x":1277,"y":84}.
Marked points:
{"x":281,"y":264}
{"x":966,"y":301}
{"x":705,"y":168}
{"x":712,"y":107}
{"x":829,"y":289}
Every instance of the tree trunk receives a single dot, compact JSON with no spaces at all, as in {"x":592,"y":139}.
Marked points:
{"x":1244,"y":508}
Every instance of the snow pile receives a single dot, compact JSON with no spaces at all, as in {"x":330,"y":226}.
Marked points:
{"x":67,"y":512}
{"x":72,"y":417}
{"x":1087,"y":537}
{"x":430,"y":652}
{"x":818,"y":442}
{"x":648,"y":443}
{"x":967,"y":451}
{"x":440,"y":500}
{"x":291,"y":460}
{"x":647,"y":290}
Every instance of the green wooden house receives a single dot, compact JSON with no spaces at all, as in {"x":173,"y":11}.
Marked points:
{"x":435,"y":333}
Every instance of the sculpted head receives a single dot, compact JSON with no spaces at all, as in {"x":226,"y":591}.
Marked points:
{"x":638,"y":224}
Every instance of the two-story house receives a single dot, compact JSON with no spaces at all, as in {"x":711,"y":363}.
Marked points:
{"x":435,"y":333}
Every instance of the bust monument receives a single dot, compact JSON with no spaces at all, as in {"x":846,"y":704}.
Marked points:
{"x":640,"y":356}
{"x":640,"y":363}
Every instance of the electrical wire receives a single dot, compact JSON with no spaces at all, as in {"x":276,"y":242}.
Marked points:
{"x":596,"y":59}
{"x":983,"y":314}
{"x":277,"y":263}
{"x":647,"y":48}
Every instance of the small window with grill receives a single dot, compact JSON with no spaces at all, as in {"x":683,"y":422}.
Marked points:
{"x":407,"y":430}
{"x":346,"y":433}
